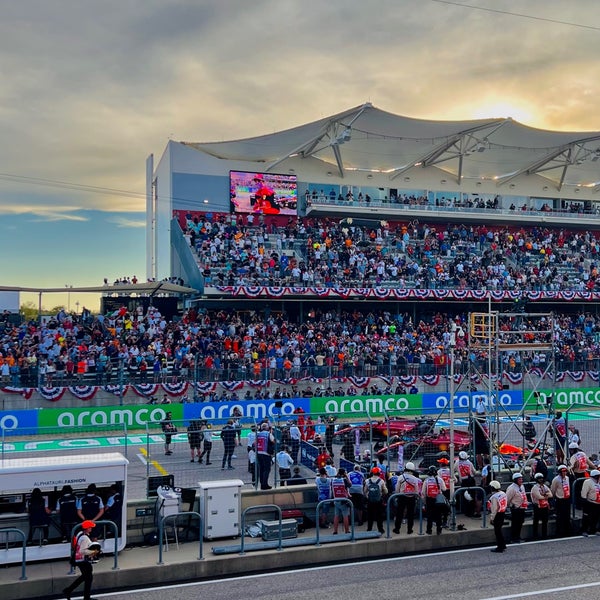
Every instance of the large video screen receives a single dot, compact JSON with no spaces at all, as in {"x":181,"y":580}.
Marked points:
{"x":263,"y":193}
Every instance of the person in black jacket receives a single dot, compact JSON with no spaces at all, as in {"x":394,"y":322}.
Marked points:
{"x":66,"y":507}
{"x":229,"y":436}
{"x":90,"y":507}
{"x":39,"y":515}
{"x":194,"y":438}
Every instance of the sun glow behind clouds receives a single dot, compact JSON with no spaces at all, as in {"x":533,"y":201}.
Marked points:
{"x":518,"y":112}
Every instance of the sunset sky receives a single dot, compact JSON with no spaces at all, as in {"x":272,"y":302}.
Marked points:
{"x":89,"y":89}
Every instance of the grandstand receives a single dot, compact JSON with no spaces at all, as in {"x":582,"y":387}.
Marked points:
{"x":357,"y":246}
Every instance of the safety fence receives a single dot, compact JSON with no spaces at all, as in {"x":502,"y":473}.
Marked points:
{"x":127,"y":373}
{"x":510,"y":442}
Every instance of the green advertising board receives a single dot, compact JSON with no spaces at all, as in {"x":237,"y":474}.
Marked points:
{"x":132,"y":416}
{"x":373,"y":406}
{"x":564,"y":398}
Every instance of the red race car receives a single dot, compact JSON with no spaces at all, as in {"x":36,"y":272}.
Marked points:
{"x":406,"y":429}
{"x":427,"y":444}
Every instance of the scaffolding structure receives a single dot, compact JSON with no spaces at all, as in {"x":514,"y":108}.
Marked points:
{"x":511,"y":340}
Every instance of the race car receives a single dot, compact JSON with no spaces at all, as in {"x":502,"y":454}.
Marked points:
{"x":429,"y":443}
{"x":406,"y":429}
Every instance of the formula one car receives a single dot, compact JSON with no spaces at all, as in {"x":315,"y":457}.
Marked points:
{"x":406,"y":429}
{"x":429,"y":443}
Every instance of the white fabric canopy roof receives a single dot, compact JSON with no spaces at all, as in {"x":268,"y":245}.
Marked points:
{"x":366,"y":138}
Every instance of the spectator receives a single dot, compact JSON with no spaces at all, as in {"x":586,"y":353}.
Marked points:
{"x":228,"y":435}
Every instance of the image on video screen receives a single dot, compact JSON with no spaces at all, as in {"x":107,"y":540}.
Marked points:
{"x":263,"y":193}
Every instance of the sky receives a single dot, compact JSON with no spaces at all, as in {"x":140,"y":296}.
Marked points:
{"x":90,"y":89}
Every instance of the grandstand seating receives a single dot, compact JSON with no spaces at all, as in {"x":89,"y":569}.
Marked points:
{"x":227,"y":344}
{"x":399,"y":256}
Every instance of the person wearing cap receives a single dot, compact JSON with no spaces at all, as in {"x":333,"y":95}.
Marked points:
{"x":590,"y":497}
{"x":560,"y":487}
{"x":516,"y":498}
{"x":540,"y":498}
{"x":375,"y":491}
{"x":579,"y":462}
{"x":465,"y":470}
{"x":409,"y":487}
{"x":497,"y":506}
{"x":83,"y":560}
{"x":432,"y":487}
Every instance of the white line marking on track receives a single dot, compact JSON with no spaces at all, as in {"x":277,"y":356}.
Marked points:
{"x":546,"y":591}
{"x":142,"y":459}
{"x":329,"y":567}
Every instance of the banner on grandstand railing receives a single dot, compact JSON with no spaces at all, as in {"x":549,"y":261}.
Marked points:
{"x":373,"y":406}
{"x":19,"y":422}
{"x":510,"y":400}
{"x":131,"y":416}
{"x":563,"y":399}
{"x":256,"y":291}
{"x":83,"y":392}
{"x":251,"y":410}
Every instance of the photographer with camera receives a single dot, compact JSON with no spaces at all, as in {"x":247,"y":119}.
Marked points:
{"x":84,"y":552}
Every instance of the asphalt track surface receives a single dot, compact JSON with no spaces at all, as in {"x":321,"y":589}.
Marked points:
{"x":566,"y":568}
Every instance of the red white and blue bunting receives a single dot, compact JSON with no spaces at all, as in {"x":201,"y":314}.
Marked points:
{"x":87,"y":392}
{"x":253,"y":291}
{"x":145,"y":389}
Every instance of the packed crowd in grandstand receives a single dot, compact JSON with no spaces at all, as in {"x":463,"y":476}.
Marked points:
{"x":309,"y":252}
{"x":223,"y":345}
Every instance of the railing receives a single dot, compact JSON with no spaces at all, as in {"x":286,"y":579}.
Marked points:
{"x":388,"y":512}
{"x":559,"y":215}
{"x":329,"y":374}
{"x":318,"y":514}
{"x":258,"y":508}
{"x":175,"y":516}
{"x":462,"y":491}
{"x":8,"y":530}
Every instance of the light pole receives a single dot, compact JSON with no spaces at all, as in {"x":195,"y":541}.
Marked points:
{"x":451,"y":416}
{"x":68,"y":286}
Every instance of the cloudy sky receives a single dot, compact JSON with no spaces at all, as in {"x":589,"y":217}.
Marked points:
{"x":89,"y":89}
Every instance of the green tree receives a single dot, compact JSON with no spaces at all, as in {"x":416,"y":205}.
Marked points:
{"x":29,"y":310}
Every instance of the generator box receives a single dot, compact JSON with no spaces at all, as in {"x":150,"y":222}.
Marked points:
{"x":221,"y":507}
{"x":270,"y":529}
